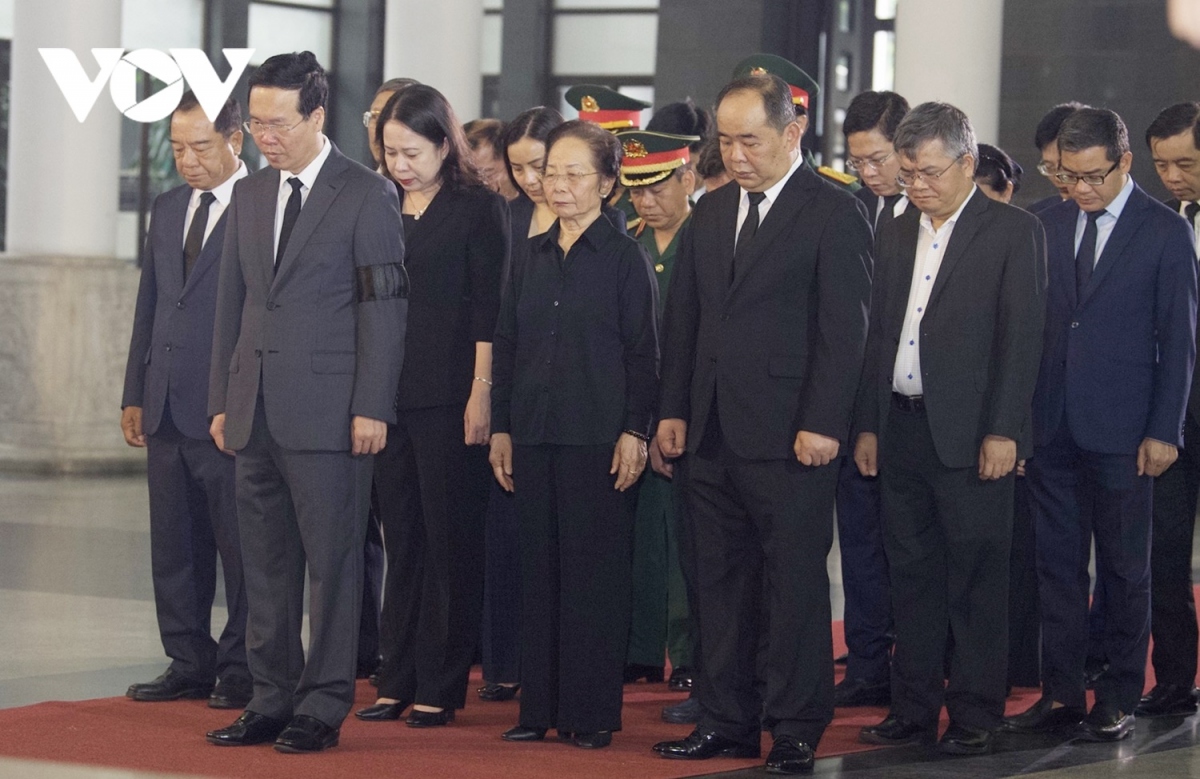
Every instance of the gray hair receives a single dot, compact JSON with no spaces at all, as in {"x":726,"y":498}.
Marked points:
{"x":936,"y":121}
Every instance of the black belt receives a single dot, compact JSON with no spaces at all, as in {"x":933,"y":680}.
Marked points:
{"x":912,"y":404}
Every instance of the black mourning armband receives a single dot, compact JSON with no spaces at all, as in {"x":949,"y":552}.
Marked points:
{"x":382,"y":282}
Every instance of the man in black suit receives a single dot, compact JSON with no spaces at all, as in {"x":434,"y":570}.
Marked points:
{"x":1174,"y":141}
{"x":763,"y":334}
{"x":943,"y":415}
{"x":307,"y":349}
{"x":1045,"y":137}
{"x":870,"y":126}
{"x":165,"y":409}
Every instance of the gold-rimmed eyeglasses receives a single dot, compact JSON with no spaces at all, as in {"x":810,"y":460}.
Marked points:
{"x":256,"y":128}
{"x":906,"y":180}
{"x":368,"y":116}
{"x":871,"y":164}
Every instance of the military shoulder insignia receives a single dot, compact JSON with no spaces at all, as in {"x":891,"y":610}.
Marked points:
{"x":837,"y":175}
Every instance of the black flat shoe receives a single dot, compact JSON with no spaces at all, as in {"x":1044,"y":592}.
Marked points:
{"x":381,"y":712}
{"x":789,"y":756}
{"x":1042,"y":717}
{"x":637,"y":671}
{"x":232,"y":692}
{"x":687,"y":712}
{"x":703,"y":744}
{"x":860,"y":692}
{"x":306,"y":734}
{"x":522,"y":733}
{"x":248,"y":730}
{"x":896,"y":731}
{"x":170,"y":686}
{"x":964,"y":740}
{"x":597,"y":740}
{"x":1105,"y":723}
{"x":681,"y":679}
{"x":1168,"y":700}
{"x":429,"y":719}
{"x":498,"y":692}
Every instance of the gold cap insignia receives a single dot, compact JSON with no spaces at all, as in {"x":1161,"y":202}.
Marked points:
{"x":759,"y":71}
{"x":634,"y":149}
{"x":589,"y":104}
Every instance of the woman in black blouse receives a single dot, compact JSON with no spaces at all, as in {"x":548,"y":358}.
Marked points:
{"x":431,"y":479}
{"x":576,"y":372}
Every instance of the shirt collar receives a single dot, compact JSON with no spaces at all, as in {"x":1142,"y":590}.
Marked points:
{"x":773,"y":193}
{"x":223,"y":191}
{"x":1118,"y":204}
{"x":308,"y":176}
{"x":594,"y":234}
{"x":927,"y":221}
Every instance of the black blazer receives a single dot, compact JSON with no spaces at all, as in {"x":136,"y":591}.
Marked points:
{"x":781,"y":344}
{"x":455,"y":255}
{"x":1193,"y":406}
{"x":981,"y":334}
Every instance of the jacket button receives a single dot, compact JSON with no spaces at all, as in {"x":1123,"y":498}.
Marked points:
{"x":258,"y":353}
{"x":179,"y":304}
{"x":724,"y":317}
{"x":168,"y":347}
{"x":270,"y":305}
{"x":1074,"y":325}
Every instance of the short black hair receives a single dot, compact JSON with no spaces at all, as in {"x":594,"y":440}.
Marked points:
{"x":396,"y":84}
{"x":875,"y":111}
{"x":709,"y":163}
{"x":997,"y":169}
{"x":1089,"y":127}
{"x":1047,"y":129}
{"x":427,"y":112}
{"x":605,"y":148}
{"x":683,"y":118}
{"x":229,"y":118}
{"x":1174,"y":120}
{"x":775,"y":93}
{"x":298,"y":70}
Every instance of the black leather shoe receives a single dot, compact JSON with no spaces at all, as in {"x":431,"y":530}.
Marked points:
{"x":1042,"y":717}
{"x":896,"y":731}
{"x":247,"y":730}
{"x":1168,"y":700}
{"x":306,"y":734}
{"x":860,"y":692}
{"x":1105,"y":723}
{"x":597,"y":740}
{"x":637,"y":671}
{"x":429,"y":719}
{"x":232,"y":692}
{"x":965,"y":740}
{"x":789,"y":755}
{"x":498,"y":692}
{"x":382,"y":712}
{"x":522,"y":733}
{"x":681,"y":679}
{"x":687,"y":712}
{"x":170,"y":686}
{"x":703,"y":744}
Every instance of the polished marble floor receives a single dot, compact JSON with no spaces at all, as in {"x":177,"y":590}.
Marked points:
{"x":78,"y":616}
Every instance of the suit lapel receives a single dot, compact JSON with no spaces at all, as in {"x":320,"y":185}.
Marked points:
{"x":969,"y":222}
{"x":907,"y":228}
{"x":324,"y":191}
{"x":795,"y":194}
{"x":1131,"y":218}
{"x":727,"y":231}
{"x":174,"y":218}
{"x":208,"y":254}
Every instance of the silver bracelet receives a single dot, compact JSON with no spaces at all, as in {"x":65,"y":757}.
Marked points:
{"x":485,"y":381}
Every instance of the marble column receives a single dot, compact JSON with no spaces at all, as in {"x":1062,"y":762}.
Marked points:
{"x":437,"y":44}
{"x":950,"y":52}
{"x":66,"y":303}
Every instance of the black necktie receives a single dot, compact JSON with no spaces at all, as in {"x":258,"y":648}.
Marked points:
{"x":750,"y":226}
{"x":886,"y":213}
{"x":195,"y":235}
{"x":1190,"y":210}
{"x":290,"y":212}
{"x":1085,"y":258}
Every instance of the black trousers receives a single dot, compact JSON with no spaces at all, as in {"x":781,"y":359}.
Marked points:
{"x":576,"y":573}
{"x":947,"y":534}
{"x":193,"y":518}
{"x":1063,"y":481}
{"x":432,"y":491}
{"x":1024,"y":610}
{"x":868,"y":611}
{"x":502,"y":590}
{"x":760,"y":534}
{"x":372,"y":599}
{"x":301,"y":510}
{"x":1172,"y":606}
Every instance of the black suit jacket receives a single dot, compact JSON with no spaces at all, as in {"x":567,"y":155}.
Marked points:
{"x":171,"y":346}
{"x":455,"y":255}
{"x":780,"y":345}
{"x":981,"y":334}
{"x":1193,"y":406}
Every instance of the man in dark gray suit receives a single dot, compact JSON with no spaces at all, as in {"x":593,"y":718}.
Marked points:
{"x":165,"y":409}
{"x":307,"y":350}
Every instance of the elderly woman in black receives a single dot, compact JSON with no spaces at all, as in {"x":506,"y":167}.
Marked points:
{"x":576,"y":364}
{"x":431,"y":479}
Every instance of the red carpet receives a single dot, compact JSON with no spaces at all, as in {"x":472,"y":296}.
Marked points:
{"x":169,"y":737}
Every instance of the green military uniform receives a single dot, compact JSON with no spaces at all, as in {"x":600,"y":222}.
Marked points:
{"x":803,"y":89}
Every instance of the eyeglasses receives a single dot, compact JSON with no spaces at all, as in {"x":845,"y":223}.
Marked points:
{"x":572,"y":177}
{"x":256,"y":128}
{"x":906,"y":180}
{"x":865,"y":165}
{"x":1092,"y":180}
{"x":368,"y":116}
{"x":1047,"y":169}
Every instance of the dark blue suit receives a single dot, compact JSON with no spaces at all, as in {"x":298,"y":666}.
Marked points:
{"x":1116,"y":368}
{"x":192,"y":511}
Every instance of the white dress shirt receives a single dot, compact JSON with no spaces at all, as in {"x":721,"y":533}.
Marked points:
{"x":931,"y":248}
{"x":223,"y":192}
{"x":307,"y":177}
{"x":771,"y":195}
{"x":1106,"y":222}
